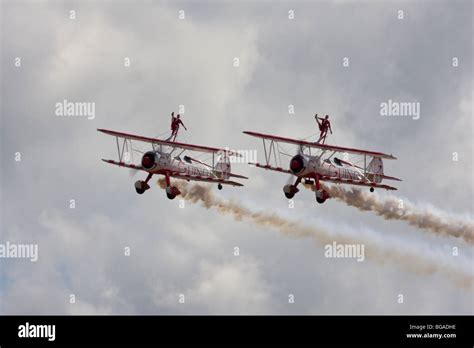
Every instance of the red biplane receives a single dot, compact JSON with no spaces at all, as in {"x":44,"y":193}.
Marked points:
{"x":323,"y":165}
{"x":167,"y":158}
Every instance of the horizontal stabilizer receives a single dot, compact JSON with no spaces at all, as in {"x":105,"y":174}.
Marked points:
{"x":237,"y":176}
{"x":390,"y":177}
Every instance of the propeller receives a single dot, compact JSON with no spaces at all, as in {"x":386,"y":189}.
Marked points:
{"x":290,"y":180}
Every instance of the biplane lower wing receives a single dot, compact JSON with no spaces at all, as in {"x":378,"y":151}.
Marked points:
{"x":204,"y":179}
{"x":123,"y":164}
{"x":357,"y":183}
{"x":269,"y":167}
{"x":179,"y":175}
{"x":327,"y":178}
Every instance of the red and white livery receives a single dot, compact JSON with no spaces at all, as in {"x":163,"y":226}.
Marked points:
{"x":314,"y":162}
{"x":168,"y":158}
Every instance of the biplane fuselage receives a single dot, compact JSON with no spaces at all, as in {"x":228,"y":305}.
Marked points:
{"x":157,"y":162}
{"x":308,"y":166}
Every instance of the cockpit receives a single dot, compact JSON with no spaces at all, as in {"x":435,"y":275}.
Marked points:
{"x":335,"y":160}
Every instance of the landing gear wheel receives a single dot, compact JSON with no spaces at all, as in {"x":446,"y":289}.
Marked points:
{"x":371,"y":189}
{"x":321,"y":196}
{"x":290,"y":191}
{"x":141,"y":187}
{"x":172,"y":192}
{"x":219,"y":186}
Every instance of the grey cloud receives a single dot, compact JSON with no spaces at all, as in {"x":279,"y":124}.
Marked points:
{"x":190,"y":62}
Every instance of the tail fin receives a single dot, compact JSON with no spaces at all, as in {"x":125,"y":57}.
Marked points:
{"x":375,"y":170}
{"x":222,"y":168}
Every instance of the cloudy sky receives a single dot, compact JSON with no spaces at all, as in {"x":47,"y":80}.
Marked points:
{"x":406,"y":56}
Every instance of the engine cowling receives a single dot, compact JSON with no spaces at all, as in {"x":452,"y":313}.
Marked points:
{"x":150,"y":160}
{"x":298,"y":164}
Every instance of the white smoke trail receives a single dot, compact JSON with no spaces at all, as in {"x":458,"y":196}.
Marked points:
{"x":393,"y":208}
{"x":377,"y":249}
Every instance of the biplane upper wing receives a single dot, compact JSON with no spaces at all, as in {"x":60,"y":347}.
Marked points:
{"x":320,"y":146}
{"x":168,"y":143}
